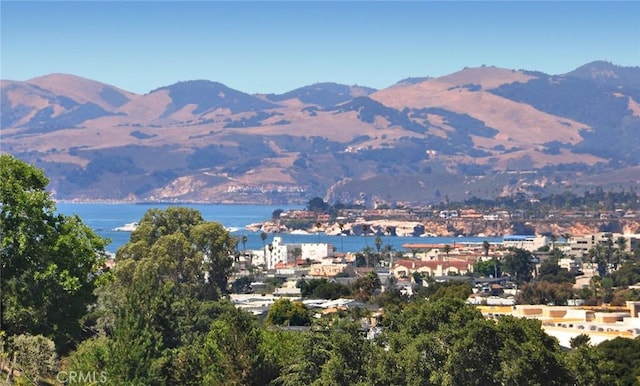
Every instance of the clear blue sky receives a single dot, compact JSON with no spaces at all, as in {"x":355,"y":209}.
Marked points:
{"x":263,"y":47}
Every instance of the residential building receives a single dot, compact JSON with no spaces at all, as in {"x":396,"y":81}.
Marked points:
{"x":280,"y":252}
{"x":405,"y":267}
{"x":529,"y":242}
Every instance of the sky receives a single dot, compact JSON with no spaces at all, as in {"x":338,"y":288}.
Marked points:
{"x":275,"y":47}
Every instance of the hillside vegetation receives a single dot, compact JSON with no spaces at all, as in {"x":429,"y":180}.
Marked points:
{"x":480,"y":132}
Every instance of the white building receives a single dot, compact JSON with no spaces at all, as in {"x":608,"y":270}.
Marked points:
{"x":529,"y":242}
{"x":279,"y":252}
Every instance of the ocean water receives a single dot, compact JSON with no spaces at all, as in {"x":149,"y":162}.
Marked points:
{"x":105,"y":218}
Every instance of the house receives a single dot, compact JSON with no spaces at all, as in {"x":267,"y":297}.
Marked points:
{"x":431,"y":268}
{"x":330,"y":270}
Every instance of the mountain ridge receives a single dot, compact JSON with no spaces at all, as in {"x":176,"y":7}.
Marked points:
{"x":483,"y":131}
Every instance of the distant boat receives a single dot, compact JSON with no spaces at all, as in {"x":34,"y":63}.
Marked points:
{"x":128,"y":227}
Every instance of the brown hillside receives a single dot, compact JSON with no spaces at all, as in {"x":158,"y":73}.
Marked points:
{"x":79,"y":89}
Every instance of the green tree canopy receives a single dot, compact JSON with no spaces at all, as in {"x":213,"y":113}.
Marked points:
{"x":365,"y":286}
{"x":519,"y":263}
{"x":488,"y":268}
{"x":50,"y":263}
{"x":288,"y":313}
{"x":551,"y":272}
{"x":318,"y":205}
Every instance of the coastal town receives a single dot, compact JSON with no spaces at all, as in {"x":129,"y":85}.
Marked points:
{"x":184,"y":291}
{"x":550,"y":243}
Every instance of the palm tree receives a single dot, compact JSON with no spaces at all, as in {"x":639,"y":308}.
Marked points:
{"x":486,"y":246}
{"x":341,"y":226}
{"x":621,"y":242}
{"x":365,"y":231}
{"x":271,"y":251}
{"x":244,"y":240}
{"x":368,"y":255}
{"x":263,"y":237}
{"x":378,"y":245}
{"x":595,"y":282}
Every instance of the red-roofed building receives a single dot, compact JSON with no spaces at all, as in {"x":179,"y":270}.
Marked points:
{"x":406,"y":267}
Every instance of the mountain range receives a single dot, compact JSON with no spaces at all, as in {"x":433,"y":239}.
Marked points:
{"x":479,"y":132}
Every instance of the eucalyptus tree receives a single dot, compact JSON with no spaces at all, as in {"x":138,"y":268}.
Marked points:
{"x":175,"y":265}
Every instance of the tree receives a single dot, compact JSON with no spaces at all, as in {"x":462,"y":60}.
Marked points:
{"x":624,"y":353}
{"x":288,"y":313}
{"x":365,"y":232}
{"x":166,"y":279}
{"x":275,"y":215}
{"x":270,"y":246}
{"x":322,"y":289}
{"x":525,"y":351}
{"x":378,"y":243}
{"x":242,"y":285}
{"x":588,"y":365}
{"x":545,"y":292}
{"x":452,"y":290}
{"x":50,"y":263}
{"x":486,"y":246}
{"x":364,"y":287}
{"x":231,"y":353}
{"x":628,"y":274}
{"x":488,"y":268}
{"x":348,"y":356}
{"x":550,"y":271}
{"x":579,"y":340}
{"x":215,"y":246}
{"x":447,"y":249}
{"x":188,"y":251}
{"x":263,"y":237}
{"x":621,"y":242}
{"x":317,"y":205}
{"x":519,"y":263}
{"x":244,"y":240}
{"x":35,"y":356}
{"x":305,"y":368}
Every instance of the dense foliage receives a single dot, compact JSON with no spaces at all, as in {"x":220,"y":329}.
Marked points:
{"x":160,"y":318}
{"x":599,"y":199}
{"x":51,"y":263}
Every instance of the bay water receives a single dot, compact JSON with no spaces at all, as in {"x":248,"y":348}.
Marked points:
{"x":104,"y":218}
